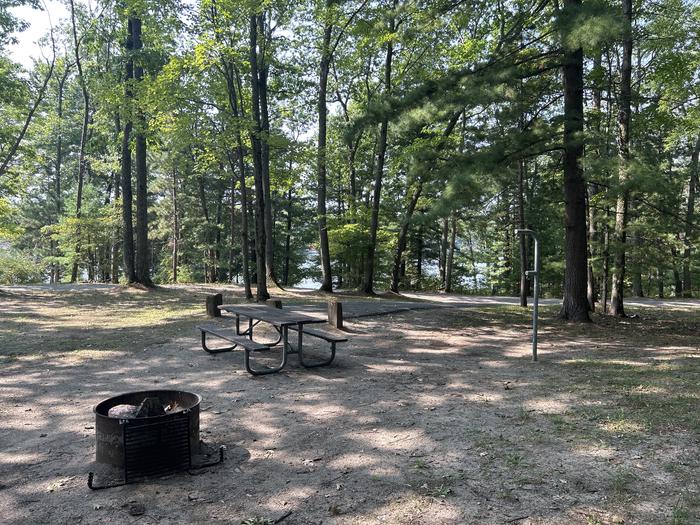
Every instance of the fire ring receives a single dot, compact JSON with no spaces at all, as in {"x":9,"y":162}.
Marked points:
{"x":148,"y":433}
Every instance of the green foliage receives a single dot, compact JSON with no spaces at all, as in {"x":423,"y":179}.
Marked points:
{"x":18,"y":267}
{"x":475,"y":91}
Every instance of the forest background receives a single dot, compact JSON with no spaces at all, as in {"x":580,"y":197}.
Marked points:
{"x":375,"y":144}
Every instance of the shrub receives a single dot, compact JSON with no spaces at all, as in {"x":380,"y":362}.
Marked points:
{"x":19,"y":268}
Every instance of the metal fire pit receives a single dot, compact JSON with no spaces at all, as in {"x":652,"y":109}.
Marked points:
{"x":149,"y":446}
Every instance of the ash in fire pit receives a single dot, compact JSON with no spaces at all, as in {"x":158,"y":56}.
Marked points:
{"x":148,"y":433}
{"x":149,"y":407}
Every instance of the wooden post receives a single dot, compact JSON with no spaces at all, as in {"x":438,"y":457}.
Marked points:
{"x":213,"y":303}
{"x":335,"y":313}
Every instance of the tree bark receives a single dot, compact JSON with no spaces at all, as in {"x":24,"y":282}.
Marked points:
{"x":575,"y":304}
{"x":689,"y":236}
{"x":233,"y":85}
{"x":321,"y":157}
{"x":58,"y":165}
{"x":451,"y":256}
{"x":143,"y":274}
{"x":592,"y":189}
{"x":232,"y":227}
{"x":114,"y":234}
{"x":442,"y":259}
{"x":127,"y":210}
{"x":287,"y":239}
{"x":262,"y":75}
{"x":245,"y":255}
{"x":623,"y":127}
{"x":637,"y":285}
{"x":176,"y":228}
{"x":260,"y":230}
{"x":523,"y":241}
{"x":419,"y":257}
{"x":367,"y":285}
{"x":83,"y":137}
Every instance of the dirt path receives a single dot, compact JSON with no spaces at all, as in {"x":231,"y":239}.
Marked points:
{"x":428,"y":417}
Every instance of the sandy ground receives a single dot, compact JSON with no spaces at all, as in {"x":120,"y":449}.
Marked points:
{"x":426,"y":417}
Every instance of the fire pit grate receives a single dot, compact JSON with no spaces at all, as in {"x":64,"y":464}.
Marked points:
{"x":148,"y":445}
{"x":156,"y":449}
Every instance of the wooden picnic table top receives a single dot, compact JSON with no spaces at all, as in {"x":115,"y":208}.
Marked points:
{"x":275,"y":316}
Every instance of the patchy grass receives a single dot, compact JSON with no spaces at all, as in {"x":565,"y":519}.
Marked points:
{"x":453,"y":425}
{"x":84,"y":324}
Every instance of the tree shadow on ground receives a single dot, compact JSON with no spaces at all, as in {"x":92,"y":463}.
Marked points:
{"x":425,"y":417}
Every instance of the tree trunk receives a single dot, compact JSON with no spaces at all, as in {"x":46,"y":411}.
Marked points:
{"x":689,"y":236}
{"x":450,"y":256}
{"x":523,"y":241}
{"x":245,"y":255}
{"x":677,"y":280}
{"x":442,"y":260}
{"x":127,"y":212}
{"x":260,"y":230}
{"x":590,"y":279}
{"x":176,"y":228}
{"x":419,"y":257}
{"x":592,"y":189}
{"x":623,"y":126}
{"x":634,"y":260}
{"x":263,"y":70}
{"x":367,"y":285}
{"x":233,"y":85}
{"x":232,"y":228}
{"x":143,"y":274}
{"x":210,"y":258}
{"x":575,"y":305}
{"x":104,"y":251}
{"x":58,"y":201}
{"x":403,"y":236}
{"x":217,"y":275}
{"x":83,"y":138}
{"x":327,"y":278}
{"x":475,"y":271}
{"x":637,"y":286}
{"x":287,"y":239}
{"x":114,"y":234}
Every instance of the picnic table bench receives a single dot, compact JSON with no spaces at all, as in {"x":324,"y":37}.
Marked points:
{"x":283,"y":321}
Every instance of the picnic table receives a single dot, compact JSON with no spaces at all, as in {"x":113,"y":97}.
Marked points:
{"x":283,"y":321}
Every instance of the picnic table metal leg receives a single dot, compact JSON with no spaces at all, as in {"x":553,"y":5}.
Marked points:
{"x":214,"y":350}
{"x":313,"y":365}
{"x":268,"y":370}
{"x":249,"y":330}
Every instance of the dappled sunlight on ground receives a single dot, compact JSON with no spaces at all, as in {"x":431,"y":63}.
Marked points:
{"x":427,"y":416}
